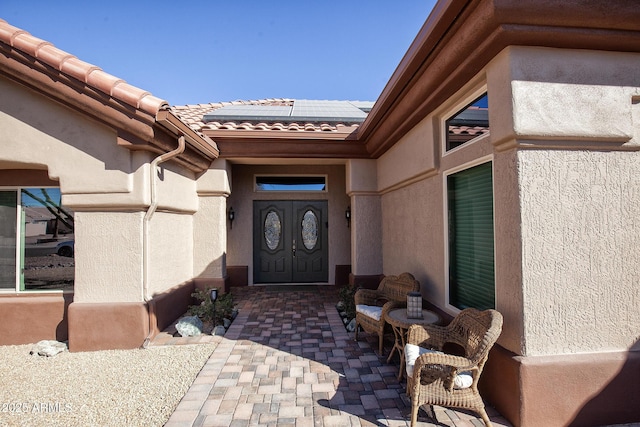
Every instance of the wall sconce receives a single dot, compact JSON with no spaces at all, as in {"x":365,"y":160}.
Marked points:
{"x":347,"y":215}
{"x":231,"y":216}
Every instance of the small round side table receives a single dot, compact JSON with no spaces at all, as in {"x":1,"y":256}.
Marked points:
{"x":400,"y":324}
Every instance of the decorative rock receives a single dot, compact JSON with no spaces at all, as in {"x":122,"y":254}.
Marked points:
{"x":340,"y":305}
{"x":345,"y":320}
{"x":218,"y":330}
{"x":351,"y":326}
{"x":48,"y":348}
{"x":234,"y":313}
{"x":226,"y":322}
{"x":190,"y":326}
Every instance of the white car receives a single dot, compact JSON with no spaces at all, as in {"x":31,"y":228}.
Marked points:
{"x":65,"y":248}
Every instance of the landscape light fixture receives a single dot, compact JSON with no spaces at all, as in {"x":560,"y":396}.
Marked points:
{"x":214,"y":296}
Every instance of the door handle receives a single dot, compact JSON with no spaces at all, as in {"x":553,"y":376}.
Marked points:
{"x":294,"y":247}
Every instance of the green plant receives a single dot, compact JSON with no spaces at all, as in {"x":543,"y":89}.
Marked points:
{"x":207,"y":311}
{"x":346,"y":294}
{"x":224,"y":307}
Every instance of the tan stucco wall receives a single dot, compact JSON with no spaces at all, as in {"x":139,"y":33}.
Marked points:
{"x":410,"y":160}
{"x":366,"y":235}
{"x":413,"y":226}
{"x":108,"y":256}
{"x":566,"y":228}
{"x":366,"y":217}
{"x":108,"y":188}
{"x":78,"y":152}
{"x":577,"y":94}
{"x":210,"y":222}
{"x":580,"y":240}
{"x":240,"y":238}
{"x":171,"y":246}
{"x":578,"y":209}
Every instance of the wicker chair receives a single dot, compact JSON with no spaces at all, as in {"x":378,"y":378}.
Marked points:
{"x":435,"y":378}
{"x":392,"y":292}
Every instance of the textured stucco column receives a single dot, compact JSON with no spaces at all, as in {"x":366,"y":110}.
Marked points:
{"x":566,"y":186}
{"x":109,"y":250}
{"x":366,"y":221}
{"x":210,"y":227}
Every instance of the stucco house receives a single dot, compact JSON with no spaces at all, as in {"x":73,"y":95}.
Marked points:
{"x":500,"y":166}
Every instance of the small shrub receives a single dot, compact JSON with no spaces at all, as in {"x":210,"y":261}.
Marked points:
{"x":207,"y":311}
{"x":346,"y":294}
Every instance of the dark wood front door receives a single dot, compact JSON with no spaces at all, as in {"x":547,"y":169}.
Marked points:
{"x":290,"y":241}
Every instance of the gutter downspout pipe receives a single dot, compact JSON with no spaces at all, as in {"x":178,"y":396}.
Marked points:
{"x":145,"y":230}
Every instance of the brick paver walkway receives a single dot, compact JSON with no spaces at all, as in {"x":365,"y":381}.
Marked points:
{"x":287,"y":360}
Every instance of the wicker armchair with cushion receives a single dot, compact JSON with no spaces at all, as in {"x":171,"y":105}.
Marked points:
{"x":444,"y":363}
{"x":373,"y":304}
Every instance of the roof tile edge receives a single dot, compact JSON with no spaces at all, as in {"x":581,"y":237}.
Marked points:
{"x":89,"y":74}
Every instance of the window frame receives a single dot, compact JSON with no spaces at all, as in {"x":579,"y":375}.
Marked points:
{"x":447,"y":247}
{"x":455,"y":109}
{"x":21,"y":246}
{"x":256,"y":189}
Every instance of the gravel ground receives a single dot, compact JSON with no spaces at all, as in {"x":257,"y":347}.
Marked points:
{"x":102,"y":388}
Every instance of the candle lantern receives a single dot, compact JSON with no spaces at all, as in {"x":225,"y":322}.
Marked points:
{"x":414,"y":305}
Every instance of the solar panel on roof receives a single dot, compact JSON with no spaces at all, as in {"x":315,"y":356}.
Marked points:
{"x":365,"y":106}
{"x":249,"y":113}
{"x":302,"y":111}
{"x":326,"y":110}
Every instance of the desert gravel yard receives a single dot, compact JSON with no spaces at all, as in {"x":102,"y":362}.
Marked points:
{"x":101,"y":388}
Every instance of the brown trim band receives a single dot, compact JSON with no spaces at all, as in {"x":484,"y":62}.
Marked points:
{"x":564,"y":390}
{"x":28,"y":318}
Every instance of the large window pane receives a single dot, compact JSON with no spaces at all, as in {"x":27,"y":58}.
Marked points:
{"x":48,"y":241}
{"x":471,"y":255}
{"x":291,"y":183}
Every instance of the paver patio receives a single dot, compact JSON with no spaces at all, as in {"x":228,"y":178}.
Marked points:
{"x":287,"y":360}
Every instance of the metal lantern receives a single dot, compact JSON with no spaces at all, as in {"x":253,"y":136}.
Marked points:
{"x":414,"y":305}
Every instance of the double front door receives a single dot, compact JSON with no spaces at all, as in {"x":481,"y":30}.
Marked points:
{"x":290,"y":241}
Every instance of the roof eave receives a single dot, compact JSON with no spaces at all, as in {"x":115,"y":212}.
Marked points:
{"x":461,"y":36}
{"x":287,"y":144}
{"x":141,"y":120}
{"x":200,"y":143}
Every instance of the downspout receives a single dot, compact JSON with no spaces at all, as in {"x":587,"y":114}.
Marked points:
{"x":145,"y":231}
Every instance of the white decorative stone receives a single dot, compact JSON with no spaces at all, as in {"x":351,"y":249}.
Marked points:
{"x":218,"y":330}
{"x":48,"y":348}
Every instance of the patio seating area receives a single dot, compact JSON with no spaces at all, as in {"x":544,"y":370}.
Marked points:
{"x":287,"y":360}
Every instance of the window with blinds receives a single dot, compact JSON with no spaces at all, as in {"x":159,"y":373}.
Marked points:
{"x":471,"y":255}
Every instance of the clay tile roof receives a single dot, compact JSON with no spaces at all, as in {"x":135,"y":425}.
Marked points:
{"x":87,"y":73}
{"x":468,"y":130}
{"x":276,"y":114}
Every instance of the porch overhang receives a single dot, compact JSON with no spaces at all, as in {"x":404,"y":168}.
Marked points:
{"x":287,"y":144}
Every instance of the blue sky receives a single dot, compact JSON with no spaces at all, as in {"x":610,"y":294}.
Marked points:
{"x":201,"y":51}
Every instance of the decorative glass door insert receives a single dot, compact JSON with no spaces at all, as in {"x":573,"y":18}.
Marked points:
{"x":290,"y":241}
